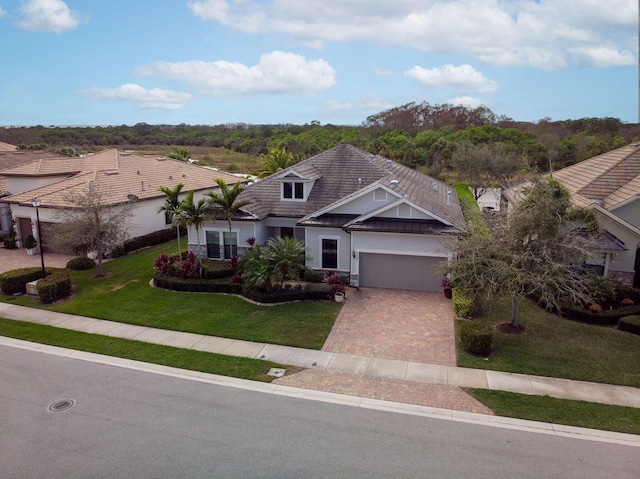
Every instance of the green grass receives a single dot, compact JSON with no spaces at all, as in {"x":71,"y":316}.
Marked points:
{"x":560,"y":411}
{"x":557,"y":347}
{"x":470,"y":209}
{"x":234,"y":366}
{"x":124,"y":295}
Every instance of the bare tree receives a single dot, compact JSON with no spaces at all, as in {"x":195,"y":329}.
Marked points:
{"x":90,"y":224}
{"x":536,"y":253}
{"x":483,"y":166}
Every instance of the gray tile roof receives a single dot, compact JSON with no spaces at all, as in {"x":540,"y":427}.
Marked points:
{"x":344,"y":171}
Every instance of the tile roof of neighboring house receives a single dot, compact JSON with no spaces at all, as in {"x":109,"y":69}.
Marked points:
{"x":344,"y":171}
{"x":11,"y":159}
{"x":7,"y":147}
{"x":116,"y":174}
{"x":607,"y":180}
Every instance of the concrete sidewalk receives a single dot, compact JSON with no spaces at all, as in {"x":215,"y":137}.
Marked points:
{"x":350,"y":364}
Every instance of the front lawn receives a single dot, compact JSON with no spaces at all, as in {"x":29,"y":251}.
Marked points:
{"x":124,"y":295}
{"x":557,"y":347}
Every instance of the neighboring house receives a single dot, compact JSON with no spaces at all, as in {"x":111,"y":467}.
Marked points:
{"x":381,"y":223}
{"x":490,"y":199}
{"x":10,"y":158}
{"x":610,"y":185}
{"x":119,"y":176}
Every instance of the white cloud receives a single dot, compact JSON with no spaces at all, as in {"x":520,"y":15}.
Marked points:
{"x":538,"y":33}
{"x":467,"y":101}
{"x":382,"y":72}
{"x":48,"y":16}
{"x":366,"y":104}
{"x":139,"y":96}
{"x":277,"y":73}
{"x":463,"y":78}
{"x":2,"y":12}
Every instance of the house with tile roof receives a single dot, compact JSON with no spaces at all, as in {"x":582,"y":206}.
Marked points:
{"x":610,"y":185}
{"x":120,"y":177}
{"x":11,"y":157}
{"x":365,"y":216}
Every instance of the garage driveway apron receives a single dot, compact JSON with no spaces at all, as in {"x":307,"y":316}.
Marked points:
{"x":395,"y":324}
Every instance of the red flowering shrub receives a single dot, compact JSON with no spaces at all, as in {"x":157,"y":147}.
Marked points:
{"x":171,"y":266}
{"x":335,"y":282}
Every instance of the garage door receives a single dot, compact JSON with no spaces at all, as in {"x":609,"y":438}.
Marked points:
{"x":416,"y":273}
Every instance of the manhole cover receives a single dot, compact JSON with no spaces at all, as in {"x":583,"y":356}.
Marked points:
{"x":61,"y":405}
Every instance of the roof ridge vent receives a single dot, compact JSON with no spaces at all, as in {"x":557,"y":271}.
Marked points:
{"x":434,"y":186}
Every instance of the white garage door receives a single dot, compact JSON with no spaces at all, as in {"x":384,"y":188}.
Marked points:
{"x":416,"y":273}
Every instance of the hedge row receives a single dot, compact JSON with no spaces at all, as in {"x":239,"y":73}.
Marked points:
{"x":308,"y":293}
{"x":631,"y":324}
{"x":216,"y":269}
{"x":195,"y":285}
{"x":151,"y":239}
{"x":15,"y":281}
{"x":55,"y":286}
{"x":603,"y":317}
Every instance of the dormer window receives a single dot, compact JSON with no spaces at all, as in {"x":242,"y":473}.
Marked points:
{"x":293,"y":190}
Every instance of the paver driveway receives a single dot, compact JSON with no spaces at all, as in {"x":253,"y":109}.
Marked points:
{"x":395,"y":324}
{"x":11,"y":259}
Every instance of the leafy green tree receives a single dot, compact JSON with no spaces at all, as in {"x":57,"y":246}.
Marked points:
{"x":537,"y":253}
{"x":226,"y":202}
{"x":171,"y":206}
{"x":276,"y":159}
{"x":193,"y":213}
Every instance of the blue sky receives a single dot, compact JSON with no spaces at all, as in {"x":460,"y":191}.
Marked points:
{"x":97,"y":62}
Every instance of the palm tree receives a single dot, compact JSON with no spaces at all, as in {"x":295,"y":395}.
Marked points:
{"x":288,"y":257}
{"x":171,"y":207}
{"x":276,"y":159}
{"x":226,"y":202}
{"x":193,"y":213}
{"x":181,"y":154}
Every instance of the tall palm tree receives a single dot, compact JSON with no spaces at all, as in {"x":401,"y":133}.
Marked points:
{"x":193,"y":213}
{"x":274,"y":160}
{"x":226,"y":202}
{"x":171,"y":207}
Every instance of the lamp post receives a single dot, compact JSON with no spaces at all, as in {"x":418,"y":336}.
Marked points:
{"x":36,"y":204}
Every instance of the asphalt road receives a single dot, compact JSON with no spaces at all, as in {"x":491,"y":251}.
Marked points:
{"x":132,"y":424}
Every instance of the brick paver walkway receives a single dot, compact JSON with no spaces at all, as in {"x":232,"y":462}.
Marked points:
{"x":395,"y":390}
{"x":394,"y":324}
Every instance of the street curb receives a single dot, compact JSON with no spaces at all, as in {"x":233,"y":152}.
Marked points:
{"x":354,"y":401}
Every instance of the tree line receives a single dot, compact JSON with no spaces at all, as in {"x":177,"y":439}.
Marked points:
{"x":415,"y":134}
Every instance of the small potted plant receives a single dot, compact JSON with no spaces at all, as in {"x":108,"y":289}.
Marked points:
{"x":30,"y":243}
{"x":447,"y":285}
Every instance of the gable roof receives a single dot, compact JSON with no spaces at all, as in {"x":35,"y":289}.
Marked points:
{"x":344,"y":172}
{"x":116,"y":175}
{"x":608,"y":180}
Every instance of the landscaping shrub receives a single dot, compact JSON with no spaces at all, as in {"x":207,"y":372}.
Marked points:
{"x":598,"y":317}
{"x":312,"y":276}
{"x":55,"y":286}
{"x":15,"y":281}
{"x":195,"y":285}
{"x":151,"y":239}
{"x":216,"y":269}
{"x":630,"y":324}
{"x":80,"y":264}
{"x":311,"y":292}
{"x":9,"y":243}
{"x":476,"y":338}
{"x":463,"y":305}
